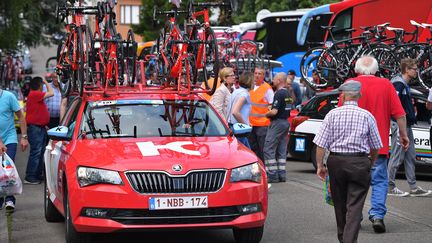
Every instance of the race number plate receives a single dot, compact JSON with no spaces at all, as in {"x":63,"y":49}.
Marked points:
{"x":157,"y":203}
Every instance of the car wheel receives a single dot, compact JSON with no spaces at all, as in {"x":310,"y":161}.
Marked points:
{"x":252,"y":235}
{"x":72,"y":236}
{"x":313,"y":157}
{"x":51,"y":212}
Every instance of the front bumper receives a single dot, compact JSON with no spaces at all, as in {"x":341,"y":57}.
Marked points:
{"x":128,"y":210}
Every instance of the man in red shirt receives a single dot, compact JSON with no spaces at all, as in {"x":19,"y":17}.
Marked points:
{"x":379,"y":97}
{"x":37,"y":118}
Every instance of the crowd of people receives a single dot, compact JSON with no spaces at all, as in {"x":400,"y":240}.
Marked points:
{"x":355,"y":134}
{"x":358,"y":158}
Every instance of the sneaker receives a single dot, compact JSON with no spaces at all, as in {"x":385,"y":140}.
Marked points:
{"x":397,"y":192}
{"x":268,"y":185}
{"x":32,"y":182}
{"x":420,"y":192}
{"x":10,"y":206}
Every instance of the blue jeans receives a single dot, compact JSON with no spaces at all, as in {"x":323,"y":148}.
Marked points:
{"x":379,"y":183}
{"x":244,"y":141}
{"x":11,"y":152}
{"x":37,"y":137}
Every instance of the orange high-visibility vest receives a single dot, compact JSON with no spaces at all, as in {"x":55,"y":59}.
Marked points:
{"x":259,"y":106}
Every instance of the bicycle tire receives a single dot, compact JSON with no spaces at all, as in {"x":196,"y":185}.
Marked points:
{"x":130,"y":59}
{"x":388,"y":65}
{"x":120,"y":64}
{"x":64,"y":73}
{"x":79,"y":82}
{"x":424,"y":72}
{"x":308,"y":63}
{"x":89,"y":56}
{"x":246,"y":48}
{"x":211,"y":60}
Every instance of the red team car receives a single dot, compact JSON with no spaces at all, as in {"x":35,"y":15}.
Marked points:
{"x":151,"y":161}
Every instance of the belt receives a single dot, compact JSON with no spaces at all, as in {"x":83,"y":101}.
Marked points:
{"x":36,"y":125}
{"x":358,"y":154}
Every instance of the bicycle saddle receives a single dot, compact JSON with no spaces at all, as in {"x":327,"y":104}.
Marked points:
{"x":427,"y":25}
{"x":416,"y":24}
{"x":394,"y":29}
{"x":328,"y":27}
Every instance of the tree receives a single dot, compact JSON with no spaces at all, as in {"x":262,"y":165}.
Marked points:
{"x":27,"y":21}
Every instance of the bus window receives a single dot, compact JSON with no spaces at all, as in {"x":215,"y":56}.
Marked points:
{"x":342,"y":22}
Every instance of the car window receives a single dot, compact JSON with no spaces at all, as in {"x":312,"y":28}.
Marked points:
{"x":150,"y":118}
{"x":319,"y":106}
{"x":71,"y":115}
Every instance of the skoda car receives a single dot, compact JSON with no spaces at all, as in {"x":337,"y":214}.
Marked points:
{"x":157,"y":161}
{"x":307,"y":123}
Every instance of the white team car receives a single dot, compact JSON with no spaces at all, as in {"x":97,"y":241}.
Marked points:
{"x":307,"y":123}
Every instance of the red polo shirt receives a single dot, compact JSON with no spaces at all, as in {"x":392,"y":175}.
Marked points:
{"x":379,"y":97}
{"x":36,"y":109}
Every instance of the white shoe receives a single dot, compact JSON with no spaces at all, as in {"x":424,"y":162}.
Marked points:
{"x":10,"y":206}
{"x":268,"y":185}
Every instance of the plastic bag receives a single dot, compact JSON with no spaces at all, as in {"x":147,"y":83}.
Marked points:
{"x":10,"y":182}
{"x":327,"y":192}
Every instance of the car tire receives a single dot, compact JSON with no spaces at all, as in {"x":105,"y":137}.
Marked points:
{"x":313,"y":156}
{"x":51,"y":212}
{"x":251,"y":235}
{"x":72,"y":236}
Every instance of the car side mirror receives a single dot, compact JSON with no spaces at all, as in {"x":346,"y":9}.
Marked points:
{"x":241,"y":130}
{"x":59,"y":133}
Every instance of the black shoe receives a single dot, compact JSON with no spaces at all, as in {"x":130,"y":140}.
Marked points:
{"x":378,"y":225}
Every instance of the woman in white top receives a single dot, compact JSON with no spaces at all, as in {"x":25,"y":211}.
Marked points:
{"x":221,"y":97}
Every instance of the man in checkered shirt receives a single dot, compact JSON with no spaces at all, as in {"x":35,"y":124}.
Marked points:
{"x":351,"y":134}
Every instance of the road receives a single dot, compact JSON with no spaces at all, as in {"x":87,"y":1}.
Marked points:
{"x":297,"y":212}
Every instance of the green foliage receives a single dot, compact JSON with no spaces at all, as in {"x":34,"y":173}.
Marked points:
{"x":27,"y":21}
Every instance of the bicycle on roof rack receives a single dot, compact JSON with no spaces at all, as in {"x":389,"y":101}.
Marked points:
{"x":73,"y":60}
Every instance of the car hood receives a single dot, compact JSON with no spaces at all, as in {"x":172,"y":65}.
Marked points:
{"x":123,"y":154}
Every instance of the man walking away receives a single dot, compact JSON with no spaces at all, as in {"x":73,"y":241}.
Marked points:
{"x":350,"y":134}
{"x":379,"y":98}
{"x":275,"y":146}
{"x":37,"y":118}
{"x":8,"y":137}
{"x":398,"y":154}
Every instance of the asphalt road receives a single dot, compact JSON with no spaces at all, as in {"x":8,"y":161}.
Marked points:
{"x":297,"y":212}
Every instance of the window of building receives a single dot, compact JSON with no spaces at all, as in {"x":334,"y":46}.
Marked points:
{"x":129,"y":14}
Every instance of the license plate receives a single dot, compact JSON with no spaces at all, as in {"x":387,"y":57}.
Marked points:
{"x":178,"y":202}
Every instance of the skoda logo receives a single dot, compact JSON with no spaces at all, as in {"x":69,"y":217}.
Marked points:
{"x":177,"y":168}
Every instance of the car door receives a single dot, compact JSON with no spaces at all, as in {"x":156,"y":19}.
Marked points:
{"x":57,"y":152}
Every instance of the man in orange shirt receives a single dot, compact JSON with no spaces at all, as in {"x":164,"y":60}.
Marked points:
{"x":261,"y":97}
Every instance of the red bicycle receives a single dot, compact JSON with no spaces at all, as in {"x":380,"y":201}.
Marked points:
{"x":73,"y":59}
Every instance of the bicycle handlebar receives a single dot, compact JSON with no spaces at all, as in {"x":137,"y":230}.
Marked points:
{"x":210,"y":4}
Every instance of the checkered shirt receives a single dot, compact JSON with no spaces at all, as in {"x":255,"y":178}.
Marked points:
{"x":348,"y":129}
{"x":53,"y":103}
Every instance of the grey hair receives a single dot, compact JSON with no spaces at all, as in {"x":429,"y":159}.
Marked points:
{"x":352,"y":94}
{"x":366,"y":65}
{"x":282,"y":76}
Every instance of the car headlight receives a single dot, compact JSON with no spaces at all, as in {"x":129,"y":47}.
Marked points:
{"x":90,"y":176}
{"x":249,"y":172}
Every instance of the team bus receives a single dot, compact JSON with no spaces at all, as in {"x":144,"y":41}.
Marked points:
{"x":277,"y":31}
{"x":355,"y":13}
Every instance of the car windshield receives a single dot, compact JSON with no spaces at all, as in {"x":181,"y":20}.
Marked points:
{"x":150,"y":118}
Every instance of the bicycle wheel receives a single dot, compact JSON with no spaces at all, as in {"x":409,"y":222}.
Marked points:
{"x":308,"y":63}
{"x":130,"y":60}
{"x":387,"y":61}
{"x":425,"y":70}
{"x":63,"y":69}
{"x":246,"y":48}
{"x":78,"y":85}
{"x":119,"y":62}
{"x":89,"y":56}
{"x":211,"y":61}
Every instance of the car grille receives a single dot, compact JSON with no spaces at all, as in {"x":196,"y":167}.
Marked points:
{"x":176,"y":216}
{"x":193,"y":182}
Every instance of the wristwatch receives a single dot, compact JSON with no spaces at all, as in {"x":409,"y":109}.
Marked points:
{"x":24,"y":136}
